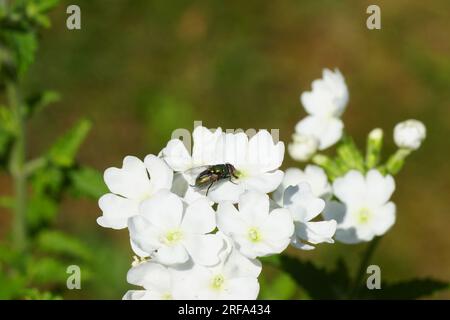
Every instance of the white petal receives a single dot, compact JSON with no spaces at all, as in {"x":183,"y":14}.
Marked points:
{"x":233,"y":148}
{"x":300,"y":201}
{"x":144,"y":236}
{"x":265,"y":182}
{"x":138,"y":295}
{"x":174,"y":254}
{"x":385,"y":219}
{"x":351,"y":188}
{"x":226,"y":191}
{"x":116,"y":211}
{"x":199,"y":217}
{"x":327,"y":130}
{"x":254,"y":207}
{"x":131,"y":181}
{"x":263,"y":154}
{"x":316,"y":232}
{"x":161,"y":175}
{"x":164,"y":210}
{"x":237,"y":265}
{"x":176,"y":155}
{"x":335,"y":210}
{"x":229,"y":220}
{"x":379,"y":188}
{"x":205,"y":146}
{"x":204,"y":249}
{"x":241,"y":289}
{"x":278,"y":227}
{"x":151,"y":276}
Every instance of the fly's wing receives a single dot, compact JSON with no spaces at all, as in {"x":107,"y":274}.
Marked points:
{"x":191,"y":174}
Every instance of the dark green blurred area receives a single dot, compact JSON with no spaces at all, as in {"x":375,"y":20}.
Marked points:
{"x":140,"y":69}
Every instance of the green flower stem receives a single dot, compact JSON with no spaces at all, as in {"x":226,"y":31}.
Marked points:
{"x":363,"y":267}
{"x":17,"y":163}
{"x":397,"y":160}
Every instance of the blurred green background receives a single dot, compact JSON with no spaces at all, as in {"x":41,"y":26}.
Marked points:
{"x":140,"y":69}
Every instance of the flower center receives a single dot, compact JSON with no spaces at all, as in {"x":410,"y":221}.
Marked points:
{"x":166,"y":296}
{"x":217,"y":282}
{"x":172,"y":237}
{"x":254,"y":235}
{"x":363,"y":215}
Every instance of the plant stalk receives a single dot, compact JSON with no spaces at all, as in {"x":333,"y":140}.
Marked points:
{"x":355,"y":288}
{"x":17,"y":165}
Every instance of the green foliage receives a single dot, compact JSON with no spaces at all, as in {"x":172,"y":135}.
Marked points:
{"x":37,"y":270}
{"x":56,"y":242}
{"x":320,"y":283}
{"x":87,"y":182}
{"x":63,"y":152}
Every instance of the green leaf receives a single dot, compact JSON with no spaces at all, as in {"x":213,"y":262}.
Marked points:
{"x":319,"y":283}
{"x":47,"y":271}
{"x":281,"y":287}
{"x":409,"y":289}
{"x":24,"y":47}
{"x":60,"y":243}
{"x":63,"y":152}
{"x":40,"y":101}
{"x":41,"y":211}
{"x":87,"y":182}
{"x":35,"y":294}
{"x":47,"y":181}
{"x":11,"y":284}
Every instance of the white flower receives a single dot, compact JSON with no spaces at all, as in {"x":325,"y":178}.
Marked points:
{"x":254,"y":230}
{"x":234,"y":278}
{"x":160,"y":282}
{"x":256,"y":161}
{"x":329,"y":95}
{"x":365,"y":211}
{"x":171,"y":231}
{"x":409,"y":134}
{"x":324,"y":104}
{"x":314,"y":175}
{"x":304,"y":207}
{"x":130,"y":185}
{"x":303,"y":147}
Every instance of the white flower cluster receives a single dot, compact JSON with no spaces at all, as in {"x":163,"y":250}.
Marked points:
{"x":323,"y":127}
{"x":359,"y":197}
{"x":203,"y":243}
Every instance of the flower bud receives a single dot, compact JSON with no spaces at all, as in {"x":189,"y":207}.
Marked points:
{"x":374,"y":144}
{"x":303,"y":147}
{"x":409,"y":134}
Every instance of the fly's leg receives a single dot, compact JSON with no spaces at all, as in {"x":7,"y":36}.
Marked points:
{"x":232,"y":181}
{"x":209,"y":188}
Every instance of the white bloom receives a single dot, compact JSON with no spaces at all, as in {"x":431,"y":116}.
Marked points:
{"x":314,"y":175}
{"x":329,"y":95}
{"x":324,"y":104}
{"x":365,"y":211}
{"x":234,"y":278}
{"x":255,"y":231}
{"x":256,"y":160}
{"x":130,"y":185}
{"x":327,"y":130}
{"x":304,"y":207}
{"x":160,"y":282}
{"x":303,"y":147}
{"x":171,"y":231}
{"x":409,"y":134}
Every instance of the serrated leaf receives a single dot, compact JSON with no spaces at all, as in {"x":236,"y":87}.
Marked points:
{"x":63,"y":152}
{"x":87,"y":182}
{"x":60,"y":243}
{"x":317,"y":282}
{"x":409,"y":289}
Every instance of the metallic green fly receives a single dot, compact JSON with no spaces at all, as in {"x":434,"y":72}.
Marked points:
{"x":210,"y":175}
